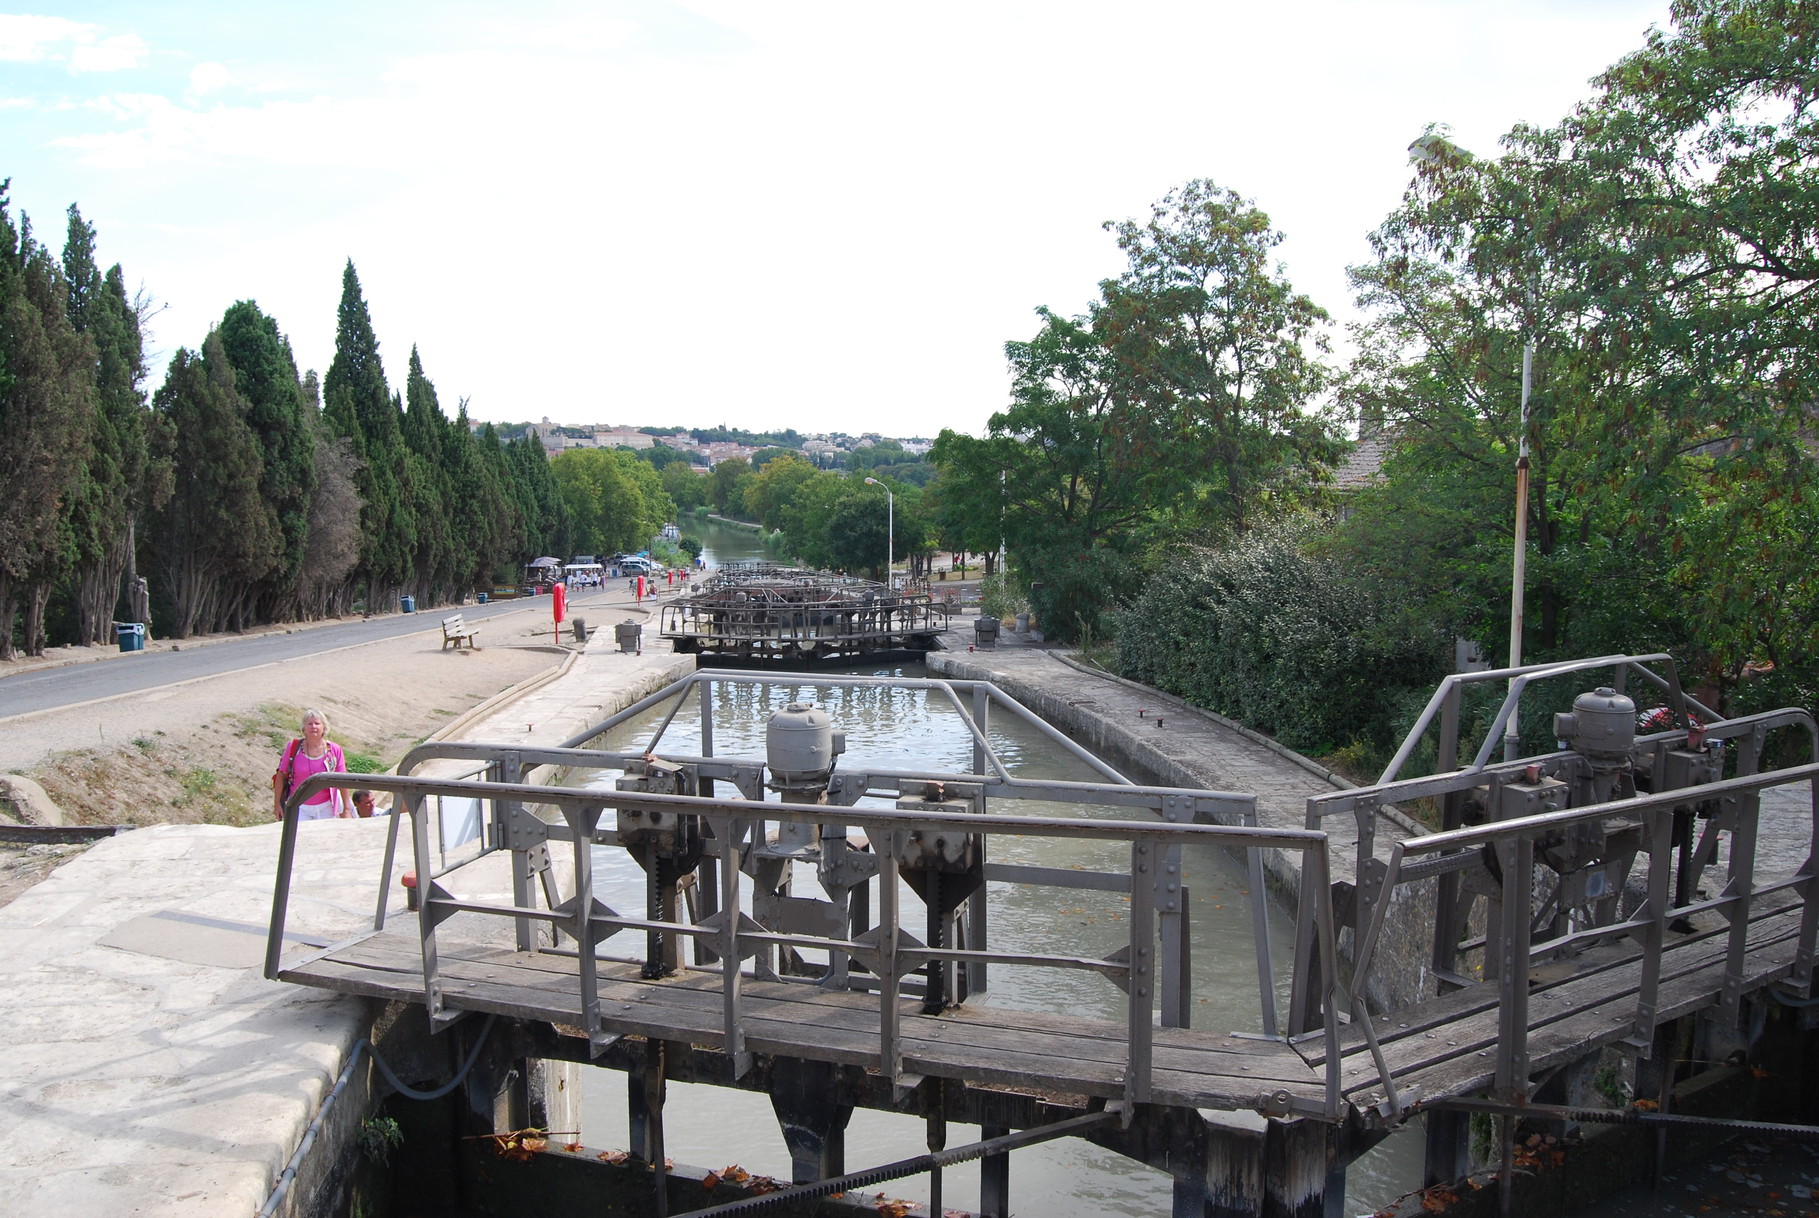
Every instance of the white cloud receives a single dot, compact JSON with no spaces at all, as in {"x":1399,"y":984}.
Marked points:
{"x":109,"y":54}
{"x":27,"y":39}
{"x":207,"y":77}
{"x":760,"y":206}
{"x":153,"y":130}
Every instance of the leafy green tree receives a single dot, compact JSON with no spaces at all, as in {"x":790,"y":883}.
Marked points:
{"x":686,"y":488}
{"x":1207,"y":335}
{"x":725,"y":491}
{"x":1648,"y":246}
{"x":616,"y":501}
{"x":480,"y":519}
{"x":1181,"y":401}
{"x":768,"y":497}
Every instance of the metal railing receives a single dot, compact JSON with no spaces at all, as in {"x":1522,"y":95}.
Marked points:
{"x":737,"y":829}
{"x":1576,"y":827}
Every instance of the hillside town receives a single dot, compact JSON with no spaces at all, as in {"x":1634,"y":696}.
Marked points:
{"x":819,"y":448}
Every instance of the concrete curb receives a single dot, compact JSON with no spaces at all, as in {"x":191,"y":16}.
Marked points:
{"x":30,"y":800}
{"x":1339,"y":781}
{"x":481,"y":709}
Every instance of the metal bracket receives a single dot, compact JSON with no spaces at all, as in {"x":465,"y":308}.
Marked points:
{"x":601,"y":931}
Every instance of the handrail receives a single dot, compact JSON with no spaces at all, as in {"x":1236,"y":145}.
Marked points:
{"x":1521,"y":834}
{"x":1460,"y":679}
{"x":581,"y":811}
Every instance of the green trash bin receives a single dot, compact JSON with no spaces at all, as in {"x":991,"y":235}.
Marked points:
{"x":131,"y":635}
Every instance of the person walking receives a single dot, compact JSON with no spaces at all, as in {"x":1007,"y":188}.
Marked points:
{"x":311,"y":754}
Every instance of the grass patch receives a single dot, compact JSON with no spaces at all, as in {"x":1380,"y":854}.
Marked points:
{"x":276,"y":723}
{"x":364,"y":763}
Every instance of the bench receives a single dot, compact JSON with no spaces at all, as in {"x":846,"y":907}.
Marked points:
{"x":457,"y":632}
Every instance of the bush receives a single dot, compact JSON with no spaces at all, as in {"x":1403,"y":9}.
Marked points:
{"x":1305,"y":648}
{"x":999,"y":599}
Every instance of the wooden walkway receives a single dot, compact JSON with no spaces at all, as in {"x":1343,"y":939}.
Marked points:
{"x":977,"y":1043}
{"x":1437,"y":1049}
{"x":1446,"y":1047}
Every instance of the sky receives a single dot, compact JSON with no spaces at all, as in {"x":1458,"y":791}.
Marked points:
{"x":758,"y":213}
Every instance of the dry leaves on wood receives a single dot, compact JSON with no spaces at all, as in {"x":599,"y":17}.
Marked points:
{"x":519,"y":1144}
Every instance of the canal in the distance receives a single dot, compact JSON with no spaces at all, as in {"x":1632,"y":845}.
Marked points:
{"x":910,"y":729}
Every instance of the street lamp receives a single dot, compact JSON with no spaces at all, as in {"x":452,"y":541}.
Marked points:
{"x":890,"y":532}
{"x":1430,"y":149}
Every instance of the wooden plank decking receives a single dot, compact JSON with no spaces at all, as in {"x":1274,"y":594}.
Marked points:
{"x":1444,"y":1047}
{"x":978,"y":1043}
{"x":1447,"y":1046}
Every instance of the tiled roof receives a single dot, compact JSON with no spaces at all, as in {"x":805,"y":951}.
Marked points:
{"x":1365,"y":463}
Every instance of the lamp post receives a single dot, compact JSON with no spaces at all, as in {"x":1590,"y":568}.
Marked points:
{"x":890,"y":533}
{"x":1431,"y":148}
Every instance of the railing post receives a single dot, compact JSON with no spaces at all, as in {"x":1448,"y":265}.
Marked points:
{"x":731,"y":979}
{"x":1144,"y":857}
{"x":978,"y":917}
{"x":1177,"y":942}
{"x":890,"y":1058}
{"x":427,"y":919}
{"x":511,"y":769}
{"x":1512,"y":999}
{"x":281,"y":891}
{"x":1307,"y":999}
{"x":581,"y":826}
{"x":1737,"y":893}
{"x":1660,"y":827}
{"x":1260,"y":929}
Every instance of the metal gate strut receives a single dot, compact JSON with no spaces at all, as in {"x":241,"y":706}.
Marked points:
{"x":911,"y":1167}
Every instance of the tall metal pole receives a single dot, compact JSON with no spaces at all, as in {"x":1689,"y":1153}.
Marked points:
{"x":890,"y":532}
{"x":1512,"y":742}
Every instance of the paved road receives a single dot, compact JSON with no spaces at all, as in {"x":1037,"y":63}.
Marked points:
{"x":50,"y":688}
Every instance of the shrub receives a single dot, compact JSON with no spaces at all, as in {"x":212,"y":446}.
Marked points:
{"x":1306,"y":648}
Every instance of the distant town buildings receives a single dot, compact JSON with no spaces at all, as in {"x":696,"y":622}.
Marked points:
{"x":559,"y":437}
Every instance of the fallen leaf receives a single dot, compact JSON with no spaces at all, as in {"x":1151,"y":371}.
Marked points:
{"x":613,"y":1156}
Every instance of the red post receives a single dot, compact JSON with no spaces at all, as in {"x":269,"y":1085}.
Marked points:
{"x":558,"y":596}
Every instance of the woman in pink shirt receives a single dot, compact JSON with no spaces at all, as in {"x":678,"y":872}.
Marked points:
{"x":304,"y":759}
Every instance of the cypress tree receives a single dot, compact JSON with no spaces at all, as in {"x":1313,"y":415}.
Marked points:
{"x":105,"y":510}
{"x":47,"y":407}
{"x":434,"y":561}
{"x":265,"y":376}
{"x":216,"y":534}
{"x":361,"y":408}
